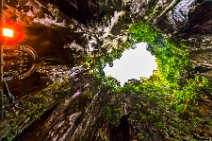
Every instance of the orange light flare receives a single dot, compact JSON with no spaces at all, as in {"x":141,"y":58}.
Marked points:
{"x":11,"y":33}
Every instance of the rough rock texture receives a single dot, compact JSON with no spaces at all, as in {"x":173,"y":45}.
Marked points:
{"x":201,"y":49}
{"x":71,"y":108}
{"x":75,"y":117}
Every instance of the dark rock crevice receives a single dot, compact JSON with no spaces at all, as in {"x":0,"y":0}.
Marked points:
{"x":200,"y":20}
{"x":81,"y":10}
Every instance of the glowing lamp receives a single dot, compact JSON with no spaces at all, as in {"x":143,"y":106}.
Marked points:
{"x":11,"y":32}
{"x":7,"y":32}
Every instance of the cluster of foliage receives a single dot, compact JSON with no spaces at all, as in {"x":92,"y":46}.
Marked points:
{"x":172,"y":58}
{"x":97,"y":62}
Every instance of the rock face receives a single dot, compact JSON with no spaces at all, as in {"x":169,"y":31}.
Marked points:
{"x":64,"y":32}
{"x":75,"y":117}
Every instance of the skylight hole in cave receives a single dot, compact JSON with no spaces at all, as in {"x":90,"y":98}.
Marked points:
{"x":134,"y":64}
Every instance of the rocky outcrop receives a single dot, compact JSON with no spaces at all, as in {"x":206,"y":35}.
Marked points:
{"x":200,"y":19}
{"x":201,"y":48}
{"x":76,"y":116}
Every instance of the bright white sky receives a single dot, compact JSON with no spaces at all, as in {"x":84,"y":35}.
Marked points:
{"x":134,"y":63}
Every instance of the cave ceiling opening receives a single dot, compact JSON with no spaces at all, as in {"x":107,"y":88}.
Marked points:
{"x":134,"y":63}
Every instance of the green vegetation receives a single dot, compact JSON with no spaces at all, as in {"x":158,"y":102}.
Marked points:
{"x":172,"y":91}
{"x":34,"y":106}
{"x":172,"y":78}
{"x":160,"y":101}
{"x":172,"y":58}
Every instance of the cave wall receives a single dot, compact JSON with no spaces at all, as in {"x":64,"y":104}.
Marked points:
{"x":79,"y":27}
